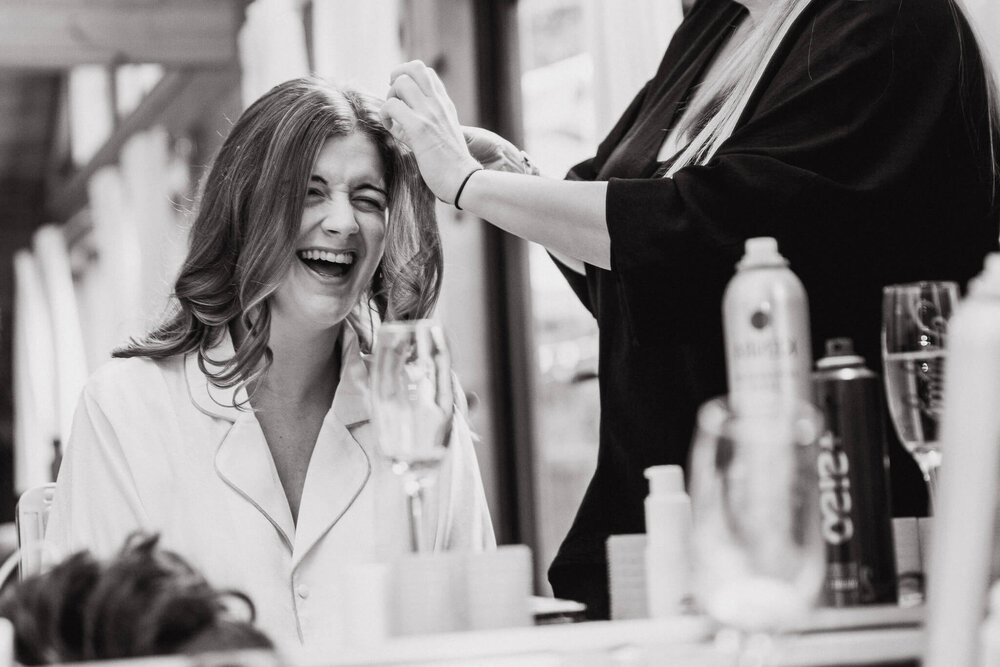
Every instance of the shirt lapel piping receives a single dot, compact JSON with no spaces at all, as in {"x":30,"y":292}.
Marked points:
{"x":339,"y":453}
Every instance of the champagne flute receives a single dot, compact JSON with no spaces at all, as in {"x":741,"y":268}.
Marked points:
{"x":758,"y":550}
{"x":413,"y":400}
{"x":914,"y":345}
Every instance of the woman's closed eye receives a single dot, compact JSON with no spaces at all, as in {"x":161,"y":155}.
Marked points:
{"x":369,"y":203}
{"x":316,"y":190}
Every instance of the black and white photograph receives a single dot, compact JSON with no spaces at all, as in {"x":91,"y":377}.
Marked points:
{"x":557,"y":333}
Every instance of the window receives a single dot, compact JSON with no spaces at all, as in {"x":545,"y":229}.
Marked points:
{"x":581,"y":63}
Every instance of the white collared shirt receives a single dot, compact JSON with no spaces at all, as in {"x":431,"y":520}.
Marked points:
{"x":156,"y":446}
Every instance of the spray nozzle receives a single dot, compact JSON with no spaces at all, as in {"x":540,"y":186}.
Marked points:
{"x":839,"y":353}
{"x":761,"y":251}
{"x":665,"y":480}
{"x":987,"y":283}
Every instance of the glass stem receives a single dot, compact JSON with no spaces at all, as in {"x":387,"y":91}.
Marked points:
{"x":931,"y":477}
{"x":415,"y":502}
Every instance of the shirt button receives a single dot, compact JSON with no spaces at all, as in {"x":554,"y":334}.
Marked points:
{"x":302,"y":591}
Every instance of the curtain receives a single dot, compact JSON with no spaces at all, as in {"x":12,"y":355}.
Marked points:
{"x":153,"y":178}
{"x":67,"y":346}
{"x":50,"y":365}
{"x":112,"y":283}
{"x":36,"y":426}
{"x":272,"y":46}
{"x":139,"y":237}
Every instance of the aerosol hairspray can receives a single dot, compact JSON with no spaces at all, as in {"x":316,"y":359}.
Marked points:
{"x":853,"y":464}
{"x":766,"y":326}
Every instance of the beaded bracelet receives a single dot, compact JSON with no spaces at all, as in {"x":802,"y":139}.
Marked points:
{"x":462,"y":186}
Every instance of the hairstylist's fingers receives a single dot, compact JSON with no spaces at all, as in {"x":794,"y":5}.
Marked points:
{"x":422,"y":75}
{"x":416,"y":70}
{"x":398,"y":118}
{"x":481,"y":145}
{"x":436,"y":84}
{"x":400,"y":68}
{"x":407,"y":90}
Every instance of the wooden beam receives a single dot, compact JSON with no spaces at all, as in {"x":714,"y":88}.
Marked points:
{"x":62,"y":33}
{"x":181,"y":100}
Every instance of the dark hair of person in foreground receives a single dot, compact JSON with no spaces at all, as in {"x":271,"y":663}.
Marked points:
{"x":145,"y":601}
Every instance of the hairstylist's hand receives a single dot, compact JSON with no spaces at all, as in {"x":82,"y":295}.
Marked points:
{"x":495,"y":152}
{"x":419,"y":113}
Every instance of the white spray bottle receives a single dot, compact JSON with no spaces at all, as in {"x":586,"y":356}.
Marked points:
{"x":766,"y":326}
{"x":668,"y":540}
{"x":962,"y":546}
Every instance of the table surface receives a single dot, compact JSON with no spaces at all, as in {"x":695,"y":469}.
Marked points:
{"x":862,"y":635}
{"x":826,"y":637}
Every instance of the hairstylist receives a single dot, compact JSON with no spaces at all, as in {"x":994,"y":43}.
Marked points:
{"x":859,"y":133}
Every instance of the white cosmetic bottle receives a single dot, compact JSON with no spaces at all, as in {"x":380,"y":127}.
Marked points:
{"x":668,"y":539}
{"x":963,"y":543}
{"x":765,"y":316}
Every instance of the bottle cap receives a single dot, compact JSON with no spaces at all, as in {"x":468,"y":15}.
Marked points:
{"x":987,"y":283}
{"x":761,"y":251}
{"x":839,"y":353}
{"x":665,"y":480}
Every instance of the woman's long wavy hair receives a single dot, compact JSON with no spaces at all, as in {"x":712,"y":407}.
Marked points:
{"x":741,"y":72}
{"x":243,"y":237}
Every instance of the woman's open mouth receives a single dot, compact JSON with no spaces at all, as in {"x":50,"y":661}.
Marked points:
{"x":327,"y":264}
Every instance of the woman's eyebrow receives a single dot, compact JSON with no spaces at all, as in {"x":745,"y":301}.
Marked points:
{"x":373,"y":186}
{"x":361,"y":186}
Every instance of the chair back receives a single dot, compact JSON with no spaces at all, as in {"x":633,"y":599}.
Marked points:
{"x":31,"y":516}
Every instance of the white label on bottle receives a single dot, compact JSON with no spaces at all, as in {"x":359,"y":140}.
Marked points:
{"x":767,"y":345}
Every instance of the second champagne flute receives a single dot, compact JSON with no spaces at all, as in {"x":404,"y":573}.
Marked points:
{"x":914,"y":346}
{"x":413,"y":401}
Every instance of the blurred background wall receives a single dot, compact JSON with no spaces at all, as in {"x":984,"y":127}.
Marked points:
{"x":110,"y":111}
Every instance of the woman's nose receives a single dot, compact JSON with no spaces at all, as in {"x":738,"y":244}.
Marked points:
{"x":338,"y":217}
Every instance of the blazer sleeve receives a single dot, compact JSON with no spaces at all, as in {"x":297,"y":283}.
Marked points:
{"x":834,"y":146}
{"x":96,"y":505}
{"x":588,"y":171}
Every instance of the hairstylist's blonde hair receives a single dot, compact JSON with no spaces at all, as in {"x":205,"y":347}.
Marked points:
{"x":742,"y":71}
{"x":734,"y":85}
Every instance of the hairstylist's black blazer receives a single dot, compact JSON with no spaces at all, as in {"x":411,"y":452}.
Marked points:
{"x":864,"y":150}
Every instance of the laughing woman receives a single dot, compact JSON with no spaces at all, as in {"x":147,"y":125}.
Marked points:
{"x":239,"y":429}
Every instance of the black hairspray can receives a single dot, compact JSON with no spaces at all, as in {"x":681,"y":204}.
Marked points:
{"x":853,"y":464}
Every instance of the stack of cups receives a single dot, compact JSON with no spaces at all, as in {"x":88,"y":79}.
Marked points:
{"x":428,"y":593}
{"x":452,"y":591}
{"x":498,"y":588}
{"x":365,"y":594}
{"x":627,"y":576}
